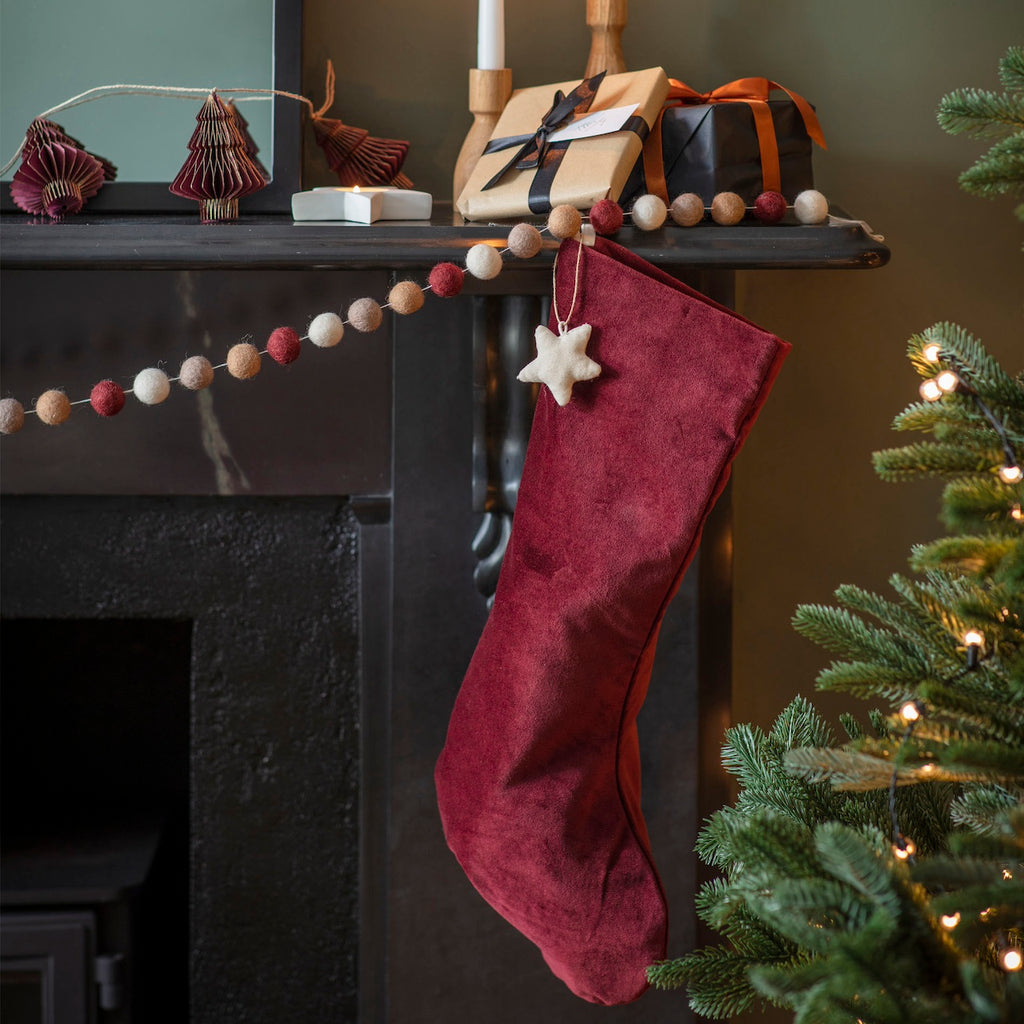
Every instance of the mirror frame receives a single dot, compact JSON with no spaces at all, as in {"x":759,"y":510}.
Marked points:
{"x":285,"y":164}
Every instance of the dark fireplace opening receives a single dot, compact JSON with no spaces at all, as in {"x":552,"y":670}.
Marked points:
{"x":94,"y":814}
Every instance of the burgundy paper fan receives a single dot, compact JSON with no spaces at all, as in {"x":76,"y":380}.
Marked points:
{"x":359,"y":158}
{"x":55,"y":179}
{"x":356,"y":156}
{"x":41,"y":130}
{"x":250,"y":144}
{"x":218,"y":170}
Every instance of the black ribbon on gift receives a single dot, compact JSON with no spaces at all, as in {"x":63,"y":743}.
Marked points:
{"x":537,"y":153}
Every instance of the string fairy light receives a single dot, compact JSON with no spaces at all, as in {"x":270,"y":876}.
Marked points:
{"x":483,"y":261}
{"x":952,"y":381}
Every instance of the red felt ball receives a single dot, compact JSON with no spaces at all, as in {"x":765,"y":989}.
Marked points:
{"x":283,"y":345}
{"x":446,"y":280}
{"x":606,"y":217}
{"x":770,"y":207}
{"x":107,"y":398}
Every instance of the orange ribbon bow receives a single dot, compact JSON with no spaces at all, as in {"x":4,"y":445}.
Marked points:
{"x":752,"y":91}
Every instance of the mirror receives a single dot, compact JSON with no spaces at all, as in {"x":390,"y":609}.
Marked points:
{"x":53,"y":50}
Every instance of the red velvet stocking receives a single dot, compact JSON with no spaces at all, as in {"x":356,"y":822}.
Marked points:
{"x":539,"y":781}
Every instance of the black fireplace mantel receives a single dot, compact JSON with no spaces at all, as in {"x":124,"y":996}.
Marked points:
{"x":278,"y":243}
{"x":375,"y":464}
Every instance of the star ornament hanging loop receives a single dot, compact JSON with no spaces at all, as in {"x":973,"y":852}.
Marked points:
{"x":561,"y":360}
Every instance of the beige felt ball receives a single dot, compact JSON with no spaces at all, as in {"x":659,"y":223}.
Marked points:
{"x":53,"y":407}
{"x":326,"y":330}
{"x":728,"y":208}
{"x":406,"y":297}
{"x":524,"y":241}
{"x":12,"y":416}
{"x":196,"y":373}
{"x":687,"y":209}
{"x":365,"y":315}
{"x":564,"y":221}
{"x":243,"y":361}
{"x":649,"y":212}
{"x":483,"y":261}
{"x":810,"y":207}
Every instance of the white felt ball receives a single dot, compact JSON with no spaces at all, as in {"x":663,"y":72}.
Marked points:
{"x":483,"y":261}
{"x":326,"y":330}
{"x":649,"y":212}
{"x":151,"y":386}
{"x":810,"y":207}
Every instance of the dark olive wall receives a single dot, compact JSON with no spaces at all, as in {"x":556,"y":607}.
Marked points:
{"x":809,"y":512}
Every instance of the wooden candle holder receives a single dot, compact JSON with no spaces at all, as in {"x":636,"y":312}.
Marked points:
{"x":607,"y":19}
{"x":488,"y":93}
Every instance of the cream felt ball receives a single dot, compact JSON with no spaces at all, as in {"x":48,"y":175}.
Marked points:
{"x":687,"y":209}
{"x":649,"y":212}
{"x":12,"y":416}
{"x":53,"y":407}
{"x":365,"y":315}
{"x":326,"y":330}
{"x":810,"y":207}
{"x":243,"y":361}
{"x":151,"y":386}
{"x":524,"y":241}
{"x":196,"y":373}
{"x":483,"y":261}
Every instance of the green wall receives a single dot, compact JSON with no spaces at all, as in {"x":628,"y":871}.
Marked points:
{"x":809,"y":512}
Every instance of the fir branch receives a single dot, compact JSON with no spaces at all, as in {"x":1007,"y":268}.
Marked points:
{"x":980,"y":113}
{"x":1011,"y":69}
{"x":998,"y":172}
{"x":930,"y":458}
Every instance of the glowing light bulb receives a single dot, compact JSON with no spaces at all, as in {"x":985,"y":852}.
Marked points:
{"x":1010,"y":959}
{"x":910,"y":711}
{"x":931,"y":352}
{"x":947,"y":381}
{"x":927,"y":769}
{"x":1010,"y":474}
{"x":950,"y":921}
{"x":972,"y":638}
{"x":904,"y":848}
{"x":1007,"y":874}
{"x":930,"y":390}
{"x":1017,"y":513}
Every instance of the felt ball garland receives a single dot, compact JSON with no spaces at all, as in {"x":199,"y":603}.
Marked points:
{"x":483,"y":261}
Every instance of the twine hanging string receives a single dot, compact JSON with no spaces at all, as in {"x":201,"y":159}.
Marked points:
{"x":180,"y":92}
{"x":563,"y":324}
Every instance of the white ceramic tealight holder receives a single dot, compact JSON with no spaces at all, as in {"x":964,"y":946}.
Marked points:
{"x":361,"y":204}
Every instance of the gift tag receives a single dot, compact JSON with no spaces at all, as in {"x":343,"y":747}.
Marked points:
{"x":601,"y":122}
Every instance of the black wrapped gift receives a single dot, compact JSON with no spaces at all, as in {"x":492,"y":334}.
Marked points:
{"x":733,"y":139}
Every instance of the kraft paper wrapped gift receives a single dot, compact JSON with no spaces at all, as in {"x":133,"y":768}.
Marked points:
{"x":590,"y":169}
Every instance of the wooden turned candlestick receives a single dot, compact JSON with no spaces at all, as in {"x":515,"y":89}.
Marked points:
{"x":607,"y":19}
{"x":488,"y":93}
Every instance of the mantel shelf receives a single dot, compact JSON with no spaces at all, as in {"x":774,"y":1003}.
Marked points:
{"x":163,"y":242}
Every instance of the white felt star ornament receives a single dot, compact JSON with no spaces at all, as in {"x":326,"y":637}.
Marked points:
{"x":561,"y":361}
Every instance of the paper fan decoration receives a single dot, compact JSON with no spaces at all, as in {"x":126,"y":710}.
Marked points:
{"x":250,"y":144}
{"x":41,"y":130}
{"x":218,"y":171}
{"x":56,"y":180}
{"x":356,"y":156}
{"x":57,"y":173}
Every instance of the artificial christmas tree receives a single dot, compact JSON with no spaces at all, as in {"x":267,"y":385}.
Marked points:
{"x":883,"y":880}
